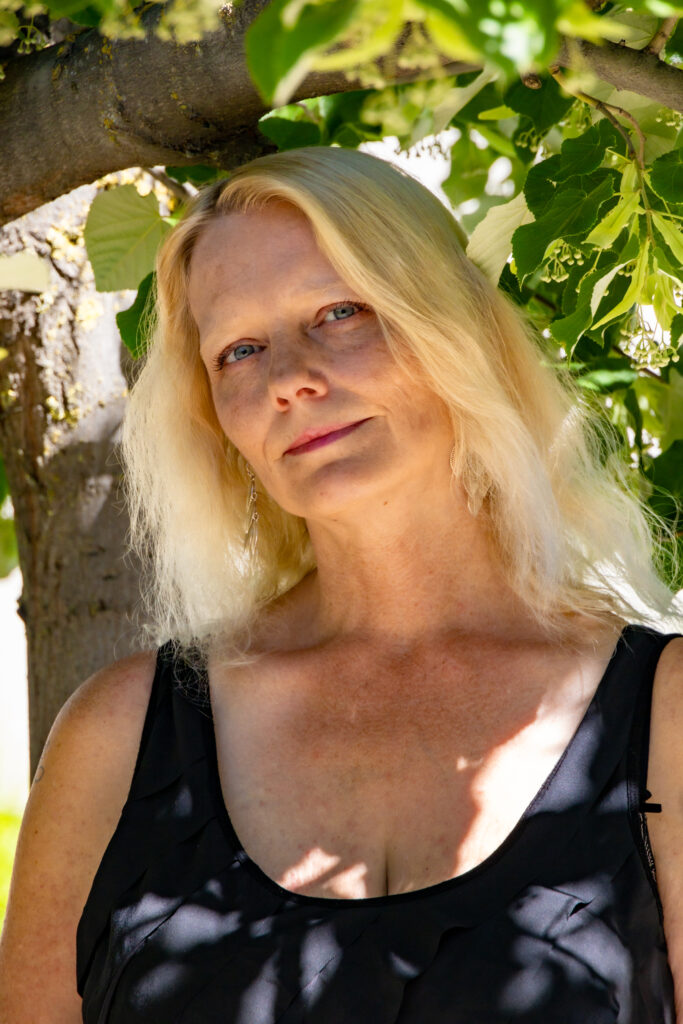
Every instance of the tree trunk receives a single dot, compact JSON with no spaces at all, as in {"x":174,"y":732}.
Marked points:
{"x":62,"y":395}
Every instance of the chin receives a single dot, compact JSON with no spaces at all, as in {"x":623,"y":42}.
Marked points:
{"x":326,"y":493}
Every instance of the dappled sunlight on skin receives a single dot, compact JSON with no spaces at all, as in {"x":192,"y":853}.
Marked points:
{"x":388,"y":757}
{"x":323,"y":873}
{"x":558,"y":925}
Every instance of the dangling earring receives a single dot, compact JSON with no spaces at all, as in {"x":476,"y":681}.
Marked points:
{"x":251,"y":536}
{"x":451,"y":460}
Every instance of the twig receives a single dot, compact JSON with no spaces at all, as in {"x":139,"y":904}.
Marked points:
{"x":178,"y":189}
{"x":663,"y":33}
{"x":604,"y":107}
{"x":609,"y":110}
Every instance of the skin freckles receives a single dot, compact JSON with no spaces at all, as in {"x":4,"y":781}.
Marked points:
{"x":289,"y":348}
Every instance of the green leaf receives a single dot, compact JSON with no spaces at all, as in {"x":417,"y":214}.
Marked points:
{"x":457,"y":98}
{"x":607,"y":379}
{"x":373,"y":32}
{"x":122,"y":234}
{"x":570,"y":214}
{"x":289,"y":134}
{"x":630,"y":28}
{"x":24,"y":271}
{"x":676,"y":328}
{"x":656,"y":122}
{"x":674,"y":44}
{"x":491,"y":241}
{"x":567,"y":330}
{"x":469,"y":171}
{"x":196,"y":174}
{"x":631,"y":405}
{"x":486,"y":98}
{"x":4,"y":485}
{"x":343,"y":108}
{"x":497,"y":141}
{"x":610,"y":227}
{"x":9,"y":555}
{"x":9,"y":26}
{"x":671,"y":235}
{"x":538,"y":187}
{"x":544,"y":106}
{"x":131,"y":322}
{"x":280,"y":53}
{"x":499,"y":113}
{"x":666,"y":473}
{"x":586,"y":152}
{"x":666,"y":176}
{"x":672,"y":414}
{"x":633,"y":292}
{"x":450,"y":25}
{"x":601,"y":287}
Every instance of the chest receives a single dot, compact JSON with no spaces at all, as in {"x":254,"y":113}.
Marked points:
{"x":386,"y":784}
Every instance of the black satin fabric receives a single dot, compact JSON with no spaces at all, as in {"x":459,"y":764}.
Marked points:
{"x":561,"y":925}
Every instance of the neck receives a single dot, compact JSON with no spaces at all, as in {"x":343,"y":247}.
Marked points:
{"x":408,"y":570}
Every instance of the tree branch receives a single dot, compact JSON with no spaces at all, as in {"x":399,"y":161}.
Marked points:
{"x":72,"y":113}
{"x":659,"y":39}
{"x":624,"y":68}
{"x":179,"y":190}
{"x":76,"y":111}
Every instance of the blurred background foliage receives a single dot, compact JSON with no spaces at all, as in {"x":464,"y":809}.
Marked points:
{"x":570,"y":189}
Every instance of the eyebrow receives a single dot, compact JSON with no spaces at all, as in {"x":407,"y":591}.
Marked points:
{"x":310,"y":289}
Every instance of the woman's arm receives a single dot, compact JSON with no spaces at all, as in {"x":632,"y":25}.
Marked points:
{"x":75,"y":802}
{"x":665,"y":782}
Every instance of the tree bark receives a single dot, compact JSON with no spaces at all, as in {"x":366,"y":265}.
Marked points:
{"x":71,"y":113}
{"x":633,"y":70}
{"x":62,"y":395}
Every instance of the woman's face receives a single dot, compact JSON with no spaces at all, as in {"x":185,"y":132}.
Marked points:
{"x":302,"y":381}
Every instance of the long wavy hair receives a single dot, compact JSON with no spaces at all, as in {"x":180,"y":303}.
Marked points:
{"x":572,"y":535}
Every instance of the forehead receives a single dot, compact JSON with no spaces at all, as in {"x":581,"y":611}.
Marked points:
{"x":238,"y":250}
{"x":253,"y":265}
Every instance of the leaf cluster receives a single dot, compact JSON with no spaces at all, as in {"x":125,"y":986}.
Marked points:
{"x":571,"y":191}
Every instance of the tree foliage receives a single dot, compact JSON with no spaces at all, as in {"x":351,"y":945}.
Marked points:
{"x":570,"y":188}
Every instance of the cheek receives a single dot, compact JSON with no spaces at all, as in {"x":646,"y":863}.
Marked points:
{"x":232,"y":412}
{"x":419,"y":407}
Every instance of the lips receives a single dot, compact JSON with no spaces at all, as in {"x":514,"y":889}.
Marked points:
{"x":316,"y":438}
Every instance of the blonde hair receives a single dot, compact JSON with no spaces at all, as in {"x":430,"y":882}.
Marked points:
{"x":532,"y":457}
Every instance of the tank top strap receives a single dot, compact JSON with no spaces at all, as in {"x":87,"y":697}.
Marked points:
{"x":630,"y":700}
{"x":174,"y":734}
{"x":648,"y":646}
{"x":171,"y":799}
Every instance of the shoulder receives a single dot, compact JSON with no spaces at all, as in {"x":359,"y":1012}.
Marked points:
{"x":75,"y":802}
{"x":668,"y":684}
{"x":665,"y":782}
{"x":665,"y":766}
{"x":98,"y":730}
{"x":666,"y":750}
{"x":116,"y":697}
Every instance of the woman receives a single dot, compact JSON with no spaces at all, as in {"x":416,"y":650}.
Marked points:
{"x":393,"y":765}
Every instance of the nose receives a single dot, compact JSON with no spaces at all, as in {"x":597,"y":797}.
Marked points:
{"x":295,"y":372}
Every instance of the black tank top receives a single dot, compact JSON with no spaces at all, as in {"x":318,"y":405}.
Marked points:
{"x":560,"y":925}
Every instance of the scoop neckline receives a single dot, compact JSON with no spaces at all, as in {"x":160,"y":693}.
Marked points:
{"x":454,"y":882}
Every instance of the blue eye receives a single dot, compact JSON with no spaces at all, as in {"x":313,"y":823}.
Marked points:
{"x":235,"y":355}
{"x":240,"y":352}
{"x":344,"y":311}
